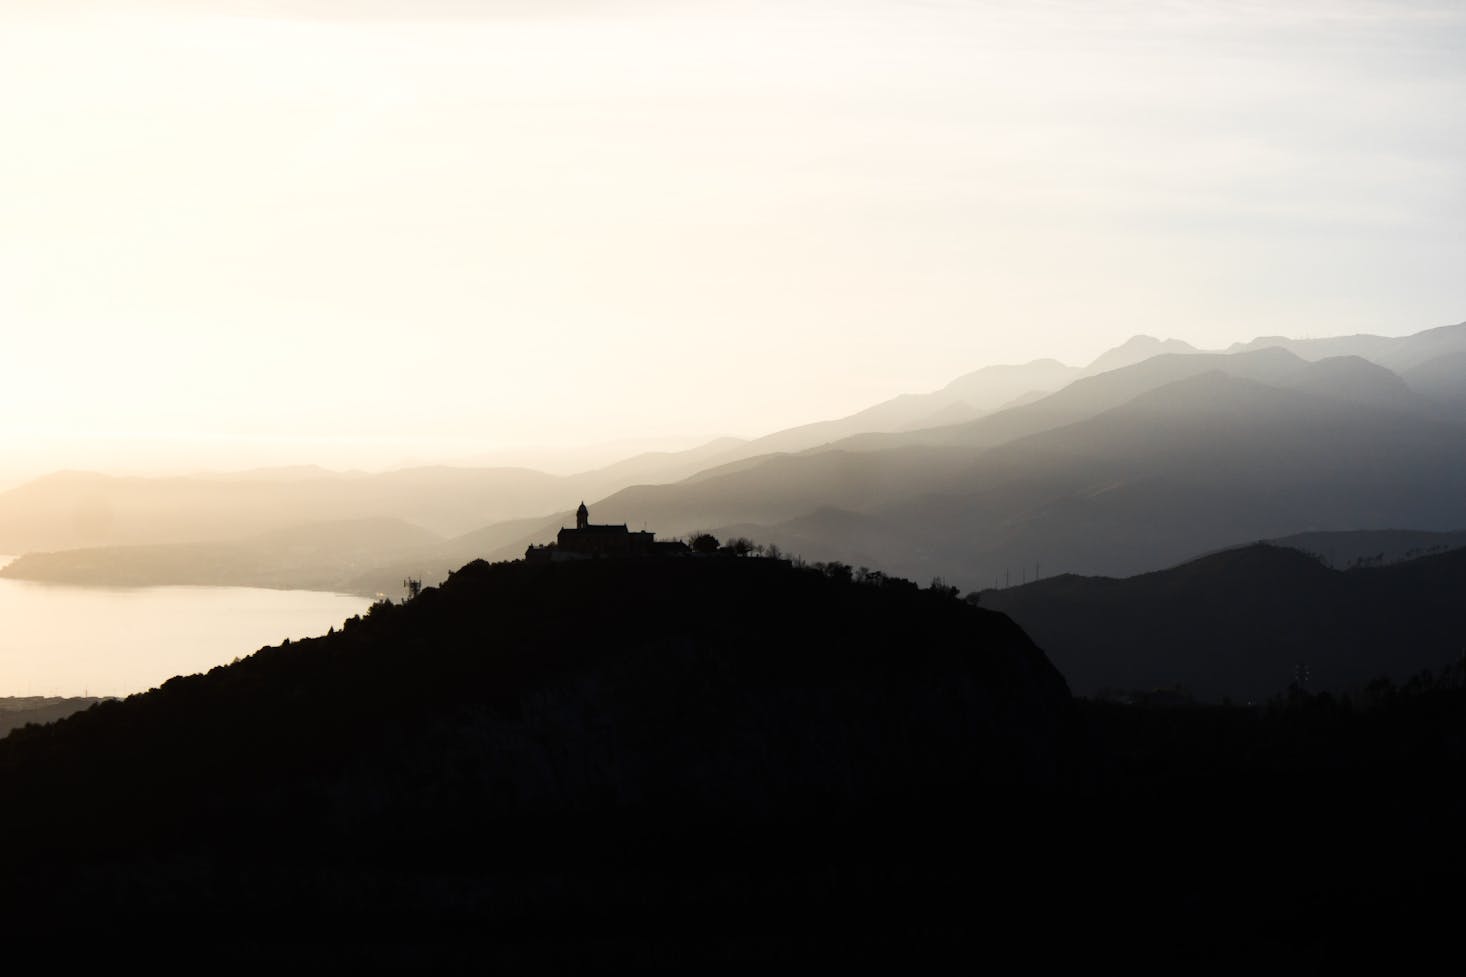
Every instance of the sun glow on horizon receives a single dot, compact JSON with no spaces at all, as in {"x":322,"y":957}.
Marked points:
{"x":480,"y":225}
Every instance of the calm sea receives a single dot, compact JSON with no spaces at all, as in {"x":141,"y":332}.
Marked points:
{"x":59,"y":640}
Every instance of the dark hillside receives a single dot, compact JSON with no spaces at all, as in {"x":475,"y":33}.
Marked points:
{"x":723,"y":761}
{"x":1238,"y":623}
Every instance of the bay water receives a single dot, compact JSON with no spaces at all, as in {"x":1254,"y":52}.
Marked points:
{"x":105,"y":641}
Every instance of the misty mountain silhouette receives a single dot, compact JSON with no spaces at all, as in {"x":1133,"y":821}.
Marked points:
{"x":1358,"y":380}
{"x":966,"y":398}
{"x":1239,"y":623}
{"x":969,"y":396}
{"x":1144,"y":363}
{"x":71,"y":510}
{"x":1371,"y":547}
{"x":1090,"y":396}
{"x":1138,"y":349}
{"x":1443,"y":379}
{"x":1186,"y":468}
{"x":1395,"y":353}
{"x":1097,"y":477}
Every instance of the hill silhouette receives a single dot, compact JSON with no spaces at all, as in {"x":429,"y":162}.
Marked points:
{"x":1238,"y":623}
{"x":593,"y":649}
{"x":517,"y":698}
{"x":723,"y":760}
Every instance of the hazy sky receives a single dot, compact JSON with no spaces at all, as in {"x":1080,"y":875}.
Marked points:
{"x":363,"y":232}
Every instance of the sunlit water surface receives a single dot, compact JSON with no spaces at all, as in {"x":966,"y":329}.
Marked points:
{"x":60,"y":640}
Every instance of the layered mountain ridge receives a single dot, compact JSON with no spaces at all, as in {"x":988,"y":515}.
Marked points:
{"x":1142,"y":459}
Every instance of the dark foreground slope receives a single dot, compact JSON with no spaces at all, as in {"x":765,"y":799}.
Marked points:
{"x":1240,"y":622}
{"x":671,"y":765}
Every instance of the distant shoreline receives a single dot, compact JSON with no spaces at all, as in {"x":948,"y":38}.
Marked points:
{"x":128,"y":568}
{"x":70,"y":641}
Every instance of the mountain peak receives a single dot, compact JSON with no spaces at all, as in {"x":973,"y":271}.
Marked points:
{"x":1135,"y":349}
{"x":992,"y":386}
{"x":1358,"y":380}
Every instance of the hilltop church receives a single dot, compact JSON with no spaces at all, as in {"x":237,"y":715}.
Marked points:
{"x":587,"y":541}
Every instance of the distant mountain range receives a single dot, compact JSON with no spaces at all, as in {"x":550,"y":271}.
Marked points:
{"x":69,"y":510}
{"x":1153,"y":454}
{"x":1397,"y":353}
{"x":970,"y":396}
{"x":1371,"y":547}
{"x":1124,"y":472}
{"x":18,"y":711}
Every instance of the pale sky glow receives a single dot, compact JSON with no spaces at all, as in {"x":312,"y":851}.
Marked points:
{"x":359,"y":233}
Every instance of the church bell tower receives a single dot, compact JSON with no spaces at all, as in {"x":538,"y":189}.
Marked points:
{"x":582,"y":517}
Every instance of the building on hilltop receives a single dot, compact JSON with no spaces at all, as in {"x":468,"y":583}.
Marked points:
{"x":587,"y":541}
